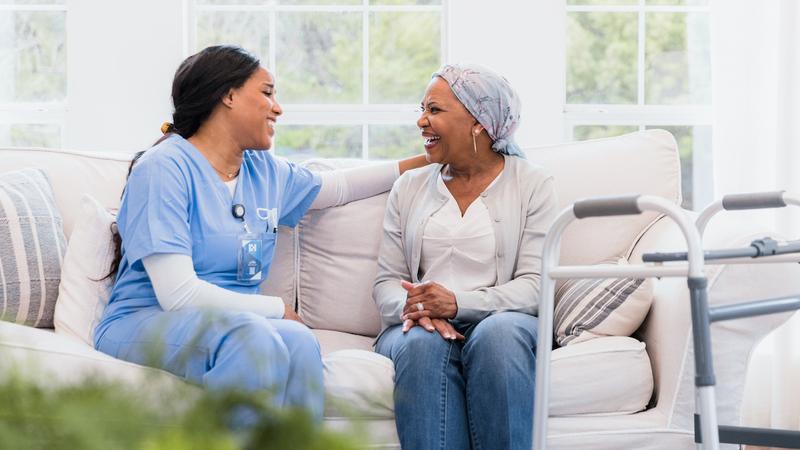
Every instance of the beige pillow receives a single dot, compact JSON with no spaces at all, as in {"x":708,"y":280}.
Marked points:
{"x":83,"y":293}
{"x":589,"y":308}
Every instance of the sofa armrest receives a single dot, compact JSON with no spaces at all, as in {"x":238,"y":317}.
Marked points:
{"x":667,"y":329}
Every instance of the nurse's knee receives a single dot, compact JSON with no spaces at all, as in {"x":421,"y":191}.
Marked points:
{"x":256,"y":338}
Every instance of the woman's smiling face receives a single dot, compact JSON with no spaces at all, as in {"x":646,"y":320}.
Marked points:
{"x":445,"y":123}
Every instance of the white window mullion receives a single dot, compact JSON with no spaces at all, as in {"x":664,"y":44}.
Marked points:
{"x":273,"y":45}
{"x":641,"y":45}
{"x":365,"y":76}
{"x":365,"y":141}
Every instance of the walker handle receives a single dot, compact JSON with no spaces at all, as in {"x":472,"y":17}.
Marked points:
{"x":607,"y":206}
{"x":754,"y":200}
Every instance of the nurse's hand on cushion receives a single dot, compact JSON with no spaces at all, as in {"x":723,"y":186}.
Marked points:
{"x":437,"y":301}
{"x":289,"y":314}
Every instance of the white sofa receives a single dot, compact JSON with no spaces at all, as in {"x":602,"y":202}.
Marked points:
{"x":607,"y":393}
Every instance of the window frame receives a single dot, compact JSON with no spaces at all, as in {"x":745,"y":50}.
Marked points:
{"x":642,"y":115}
{"x":37,"y":113}
{"x":341,"y":114}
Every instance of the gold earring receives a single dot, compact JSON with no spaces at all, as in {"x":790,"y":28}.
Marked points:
{"x":474,"y":144}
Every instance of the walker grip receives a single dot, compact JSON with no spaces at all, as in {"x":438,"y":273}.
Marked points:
{"x":753,"y":200}
{"x":607,"y":206}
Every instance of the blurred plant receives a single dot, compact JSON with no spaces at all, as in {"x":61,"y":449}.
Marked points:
{"x":104,"y":415}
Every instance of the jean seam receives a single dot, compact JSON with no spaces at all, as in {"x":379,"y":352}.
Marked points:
{"x":476,"y":445}
{"x":443,"y":404}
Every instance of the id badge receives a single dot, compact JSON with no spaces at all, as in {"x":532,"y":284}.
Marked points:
{"x":250,"y":257}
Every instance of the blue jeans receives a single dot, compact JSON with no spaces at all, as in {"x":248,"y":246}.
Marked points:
{"x":224,"y":350}
{"x":459,"y":395}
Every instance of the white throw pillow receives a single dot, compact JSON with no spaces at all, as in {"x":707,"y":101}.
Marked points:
{"x":84,"y":293}
{"x":590,"y":308}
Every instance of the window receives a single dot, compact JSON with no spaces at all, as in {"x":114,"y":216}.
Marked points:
{"x":33,"y":70}
{"x":350,"y":73}
{"x":639,"y":64}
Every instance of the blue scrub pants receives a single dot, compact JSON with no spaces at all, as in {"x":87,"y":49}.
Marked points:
{"x":224,"y":350}
{"x":476,"y":394}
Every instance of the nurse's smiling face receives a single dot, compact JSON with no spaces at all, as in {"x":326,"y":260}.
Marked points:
{"x":253,"y":110}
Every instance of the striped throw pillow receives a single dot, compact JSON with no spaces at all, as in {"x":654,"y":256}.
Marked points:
{"x":32,"y":246}
{"x":589,"y":308}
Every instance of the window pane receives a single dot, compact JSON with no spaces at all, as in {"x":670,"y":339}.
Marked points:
{"x":30,"y":135}
{"x":601,"y":57}
{"x":320,"y":55}
{"x":405,"y":2}
{"x":248,"y":29}
{"x":32,"y":56}
{"x":300,"y":142}
{"x":394,"y":141}
{"x":584,"y":132}
{"x":404,"y":50}
{"x":677,"y":55}
{"x":694,"y":146}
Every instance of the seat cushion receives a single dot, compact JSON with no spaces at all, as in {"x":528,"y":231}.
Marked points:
{"x":45,"y":357}
{"x":360,"y":383}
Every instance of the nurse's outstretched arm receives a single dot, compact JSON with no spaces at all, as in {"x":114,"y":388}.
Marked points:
{"x":177,"y":286}
{"x":347,"y":185}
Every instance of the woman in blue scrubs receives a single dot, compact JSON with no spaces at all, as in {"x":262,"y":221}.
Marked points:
{"x":198,"y":223}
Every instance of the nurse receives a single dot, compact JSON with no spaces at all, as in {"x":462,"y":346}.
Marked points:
{"x":198,"y":223}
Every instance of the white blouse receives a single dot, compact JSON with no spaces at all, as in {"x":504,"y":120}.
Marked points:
{"x":459,"y":252}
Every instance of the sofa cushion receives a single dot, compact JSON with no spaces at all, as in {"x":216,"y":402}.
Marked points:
{"x":42,"y":356}
{"x":32,"y":246}
{"x":589,"y":308}
{"x":85,"y":290}
{"x":360,"y":383}
{"x":645,"y":162}
{"x":338,"y":260}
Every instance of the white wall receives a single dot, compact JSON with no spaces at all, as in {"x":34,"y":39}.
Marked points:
{"x":122,"y":56}
{"x":524,"y":41}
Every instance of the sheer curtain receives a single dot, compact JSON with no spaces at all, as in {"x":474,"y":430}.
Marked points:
{"x":755,"y":47}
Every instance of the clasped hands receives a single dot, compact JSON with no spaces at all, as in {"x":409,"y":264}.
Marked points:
{"x":436,"y":305}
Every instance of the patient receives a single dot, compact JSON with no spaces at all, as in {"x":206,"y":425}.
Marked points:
{"x":459,"y":271}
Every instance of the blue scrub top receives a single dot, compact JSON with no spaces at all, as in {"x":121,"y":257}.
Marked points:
{"x":174,"y":202}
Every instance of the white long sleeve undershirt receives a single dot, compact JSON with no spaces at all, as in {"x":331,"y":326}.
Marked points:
{"x":176,"y":283}
{"x":177,"y":286}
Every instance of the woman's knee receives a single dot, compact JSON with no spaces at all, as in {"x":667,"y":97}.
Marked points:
{"x":420,"y":349}
{"x":503,"y":331}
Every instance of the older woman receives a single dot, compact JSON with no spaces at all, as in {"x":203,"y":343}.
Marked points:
{"x":459,"y":271}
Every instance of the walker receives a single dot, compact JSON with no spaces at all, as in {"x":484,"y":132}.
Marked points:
{"x":708,"y":434}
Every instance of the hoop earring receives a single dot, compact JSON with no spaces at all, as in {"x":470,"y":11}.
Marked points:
{"x":474,"y":144}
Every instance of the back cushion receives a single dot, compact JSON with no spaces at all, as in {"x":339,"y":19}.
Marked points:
{"x":337,"y":262}
{"x":645,"y":162}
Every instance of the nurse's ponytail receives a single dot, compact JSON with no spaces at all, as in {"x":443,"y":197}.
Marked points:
{"x":201,"y":82}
